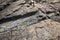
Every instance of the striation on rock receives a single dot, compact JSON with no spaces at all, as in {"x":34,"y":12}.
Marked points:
{"x":23,"y":21}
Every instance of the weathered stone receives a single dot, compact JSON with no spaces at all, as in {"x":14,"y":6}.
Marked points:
{"x":22,"y":21}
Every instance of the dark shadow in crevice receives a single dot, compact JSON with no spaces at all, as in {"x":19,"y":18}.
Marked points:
{"x":17,"y":17}
{"x":59,"y":10}
{"x":22,"y":3}
{"x":58,"y":37}
{"x":49,"y":12}
{"x":6,"y":5}
{"x":1,"y":9}
{"x":14,"y":0}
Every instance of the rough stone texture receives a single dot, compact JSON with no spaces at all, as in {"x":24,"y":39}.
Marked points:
{"x":44,"y":30}
{"x":30,"y":21}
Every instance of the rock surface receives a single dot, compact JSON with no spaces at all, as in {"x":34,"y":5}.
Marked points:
{"x":44,"y":30}
{"x":30,"y":21}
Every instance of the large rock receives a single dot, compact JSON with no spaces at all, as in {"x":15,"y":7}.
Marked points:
{"x":44,"y":30}
{"x":22,"y":21}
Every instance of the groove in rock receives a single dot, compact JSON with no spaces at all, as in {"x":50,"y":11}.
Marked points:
{"x":17,"y":17}
{"x":49,"y":12}
{"x":1,"y":9}
{"x":14,"y":0}
{"x":6,"y":5}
